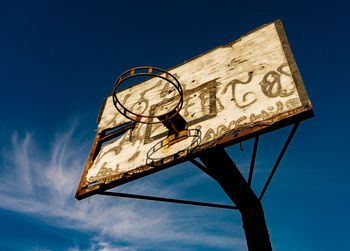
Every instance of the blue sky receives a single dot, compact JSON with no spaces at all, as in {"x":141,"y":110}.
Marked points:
{"x":59,"y":59}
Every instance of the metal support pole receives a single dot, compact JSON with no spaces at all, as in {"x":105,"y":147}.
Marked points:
{"x":226,"y":173}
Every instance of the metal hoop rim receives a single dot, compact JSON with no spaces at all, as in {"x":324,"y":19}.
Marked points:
{"x":195,"y":133}
{"x":137,"y":117}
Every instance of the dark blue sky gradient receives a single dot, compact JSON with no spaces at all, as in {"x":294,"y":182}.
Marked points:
{"x":22,"y":232}
{"x":59,"y":59}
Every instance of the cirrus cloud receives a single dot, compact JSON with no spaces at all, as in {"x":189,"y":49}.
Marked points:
{"x":43,"y":182}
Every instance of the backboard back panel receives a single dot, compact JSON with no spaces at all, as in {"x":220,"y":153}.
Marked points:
{"x":230,"y":94}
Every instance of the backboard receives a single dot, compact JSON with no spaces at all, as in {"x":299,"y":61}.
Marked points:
{"x":230,"y":94}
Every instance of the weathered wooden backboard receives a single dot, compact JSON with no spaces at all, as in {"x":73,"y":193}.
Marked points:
{"x":231,"y":93}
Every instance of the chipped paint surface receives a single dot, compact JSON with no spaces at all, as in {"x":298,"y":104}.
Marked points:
{"x":253,"y":80}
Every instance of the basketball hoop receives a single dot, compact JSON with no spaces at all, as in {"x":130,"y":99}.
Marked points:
{"x":152,"y":72}
{"x":180,"y":140}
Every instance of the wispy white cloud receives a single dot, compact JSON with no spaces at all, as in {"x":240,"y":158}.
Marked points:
{"x":99,"y":244}
{"x":43,"y":182}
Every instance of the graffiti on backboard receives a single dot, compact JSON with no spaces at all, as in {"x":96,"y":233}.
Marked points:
{"x":204,"y":102}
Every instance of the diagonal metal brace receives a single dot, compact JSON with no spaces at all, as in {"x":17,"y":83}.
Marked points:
{"x":153,"y":198}
{"x":201,"y":166}
{"x":280,"y":156}
{"x":252,"y":162}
